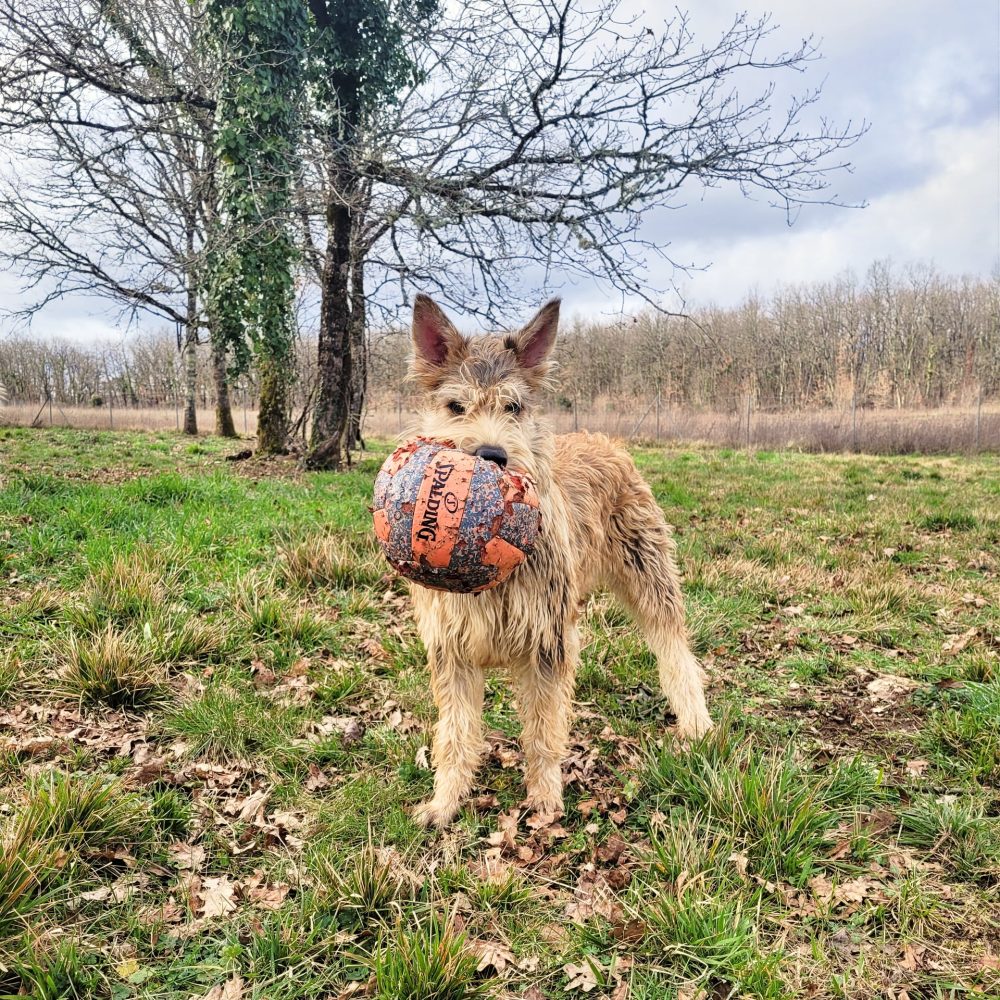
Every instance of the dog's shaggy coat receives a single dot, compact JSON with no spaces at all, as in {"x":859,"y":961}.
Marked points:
{"x":600,"y":527}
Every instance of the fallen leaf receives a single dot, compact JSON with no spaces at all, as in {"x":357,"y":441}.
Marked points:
{"x":232,"y":989}
{"x":917,"y":767}
{"x":610,"y":851}
{"x":218,"y":897}
{"x":186,"y":857}
{"x":316,"y":779}
{"x":491,"y":955}
{"x":890,"y":687}
{"x":581,"y":977}
{"x":956,"y":643}
{"x":913,"y":957}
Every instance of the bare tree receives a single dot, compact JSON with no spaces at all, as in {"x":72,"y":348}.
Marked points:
{"x":538,"y":135}
{"x":109,"y":189}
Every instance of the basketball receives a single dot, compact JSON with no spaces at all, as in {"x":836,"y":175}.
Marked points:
{"x":452,"y":521}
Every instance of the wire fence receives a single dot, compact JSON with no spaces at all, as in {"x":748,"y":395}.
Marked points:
{"x":738,"y":423}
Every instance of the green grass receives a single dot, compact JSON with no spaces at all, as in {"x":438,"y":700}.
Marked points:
{"x":209,"y":662}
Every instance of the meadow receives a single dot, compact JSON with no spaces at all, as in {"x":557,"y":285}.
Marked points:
{"x":214,"y":719}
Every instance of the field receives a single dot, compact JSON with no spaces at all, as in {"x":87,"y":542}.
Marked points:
{"x":971,"y":429}
{"x":214,"y":718}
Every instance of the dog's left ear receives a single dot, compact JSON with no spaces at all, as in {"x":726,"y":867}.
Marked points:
{"x":536,"y":339}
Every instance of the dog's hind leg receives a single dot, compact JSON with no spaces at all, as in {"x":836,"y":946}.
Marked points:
{"x":544,"y":688}
{"x":458,"y":736}
{"x":644,"y":576}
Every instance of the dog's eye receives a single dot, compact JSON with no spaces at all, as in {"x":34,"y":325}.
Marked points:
{"x":514,"y":408}
{"x":456,"y":408}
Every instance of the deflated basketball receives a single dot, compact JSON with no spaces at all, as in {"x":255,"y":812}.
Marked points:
{"x":452,"y":521}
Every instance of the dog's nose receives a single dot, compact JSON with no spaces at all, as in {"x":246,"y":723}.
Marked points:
{"x":492,"y":453}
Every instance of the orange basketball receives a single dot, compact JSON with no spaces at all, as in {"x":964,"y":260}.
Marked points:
{"x":452,"y":521}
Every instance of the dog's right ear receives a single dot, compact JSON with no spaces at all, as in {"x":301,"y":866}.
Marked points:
{"x":436,"y":342}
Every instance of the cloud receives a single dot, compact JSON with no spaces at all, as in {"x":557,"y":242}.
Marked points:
{"x":924,"y":75}
{"x":949,"y":219}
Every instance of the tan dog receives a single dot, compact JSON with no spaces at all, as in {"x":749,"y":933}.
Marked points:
{"x":600,"y":527}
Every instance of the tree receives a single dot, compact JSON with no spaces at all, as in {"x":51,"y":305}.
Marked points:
{"x":107,"y":114}
{"x":536,"y":134}
{"x":251,"y":281}
{"x":358,"y":62}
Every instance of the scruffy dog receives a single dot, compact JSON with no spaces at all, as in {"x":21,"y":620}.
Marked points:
{"x":600,"y":527}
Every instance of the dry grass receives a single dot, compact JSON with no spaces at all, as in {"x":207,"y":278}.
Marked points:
{"x":146,"y":418}
{"x":875,"y":432}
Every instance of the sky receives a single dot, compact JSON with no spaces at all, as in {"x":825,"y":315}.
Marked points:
{"x":926,"y":78}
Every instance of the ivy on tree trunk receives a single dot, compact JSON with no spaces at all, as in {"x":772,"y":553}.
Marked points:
{"x":251,"y":289}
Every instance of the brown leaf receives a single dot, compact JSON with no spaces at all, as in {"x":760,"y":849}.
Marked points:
{"x":740,"y":860}
{"x":218,"y":897}
{"x":891,"y":687}
{"x":491,"y":955}
{"x":581,"y":976}
{"x":186,"y":857}
{"x":631,"y":931}
{"x":956,"y":643}
{"x":917,"y":767}
{"x":251,"y":809}
{"x":316,"y":779}
{"x":268,"y":896}
{"x":610,"y":851}
{"x":232,"y":989}
{"x":374,"y":649}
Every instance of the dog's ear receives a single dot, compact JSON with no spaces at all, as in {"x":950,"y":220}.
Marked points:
{"x":536,"y":339}
{"x":436,"y":342}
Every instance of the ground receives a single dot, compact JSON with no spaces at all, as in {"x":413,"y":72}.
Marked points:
{"x":214,"y":718}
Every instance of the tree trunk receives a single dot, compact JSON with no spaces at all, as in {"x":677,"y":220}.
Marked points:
{"x":328,"y":441}
{"x":224,"y":425}
{"x":191,"y":376}
{"x":359,"y":355}
{"x":272,"y":412}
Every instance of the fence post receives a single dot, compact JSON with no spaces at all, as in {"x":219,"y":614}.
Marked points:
{"x":979,"y":417}
{"x":854,"y":421}
{"x":748,"y":421}
{"x":657,"y":416}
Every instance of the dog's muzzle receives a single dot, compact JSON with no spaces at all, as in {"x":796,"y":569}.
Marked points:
{"x":492,"y":453}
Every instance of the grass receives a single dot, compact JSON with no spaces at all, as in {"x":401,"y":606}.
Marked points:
{"x":214,"y":718}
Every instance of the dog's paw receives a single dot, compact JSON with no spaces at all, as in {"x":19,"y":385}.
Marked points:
{"x":431,"y":813}
{"x":546,"y":807}
{"x":693,"y":728}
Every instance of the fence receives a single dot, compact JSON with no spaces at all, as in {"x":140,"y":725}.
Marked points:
{"x":740,"y":424}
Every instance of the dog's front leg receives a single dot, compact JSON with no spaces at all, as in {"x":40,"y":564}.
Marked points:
{"x":545,"y":704}
{"x":458,"y":737}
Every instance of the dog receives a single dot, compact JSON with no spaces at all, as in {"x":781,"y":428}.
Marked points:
{"x":601,"y":527}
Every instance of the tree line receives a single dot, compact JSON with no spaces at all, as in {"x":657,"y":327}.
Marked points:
{"x":889,"y":339}
{"x":231,"y":166}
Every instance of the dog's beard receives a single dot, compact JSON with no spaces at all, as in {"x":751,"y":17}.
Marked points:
{"x":526,"y":451}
